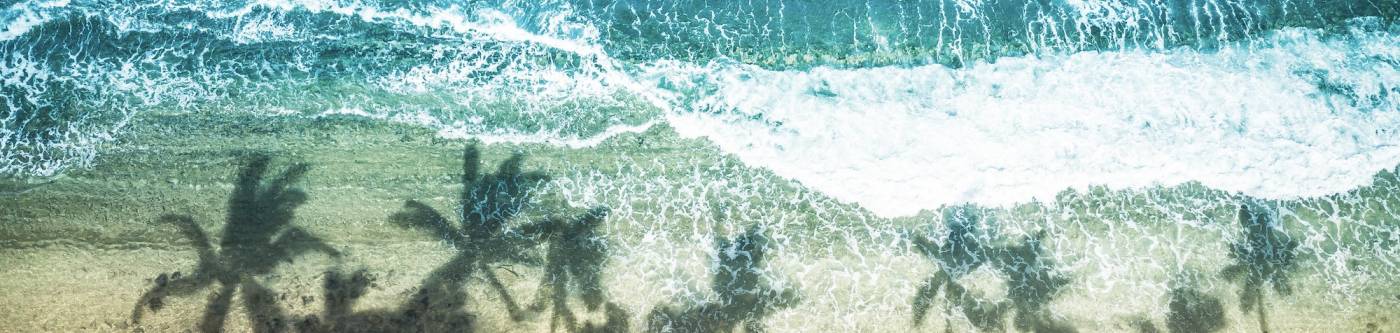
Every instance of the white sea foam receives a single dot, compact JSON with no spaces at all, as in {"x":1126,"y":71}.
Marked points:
{"x":1292,"y":114}
{"x":22,"y":16}
{"x":482,"y":72}
{"x":489,"y":22}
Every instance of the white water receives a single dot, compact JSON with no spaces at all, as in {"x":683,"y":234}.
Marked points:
{"x":20,"y":17}
{"x":1250,"y":117}
{"x":1294,"y":112}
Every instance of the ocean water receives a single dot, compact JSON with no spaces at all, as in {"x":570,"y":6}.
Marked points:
{"x":1024,"y":141}
{"x":1007,"y":101}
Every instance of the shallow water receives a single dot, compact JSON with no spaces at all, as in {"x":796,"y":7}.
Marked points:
{"x":700,"y":166}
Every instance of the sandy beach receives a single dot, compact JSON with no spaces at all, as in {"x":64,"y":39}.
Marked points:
{"x":79,"y":252}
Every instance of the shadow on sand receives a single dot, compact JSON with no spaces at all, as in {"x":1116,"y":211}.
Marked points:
{"x":257,"y":237}
{"x":485,"y":240}
{"x":574,"y":265}
{"x":430,"y":310}
{"x":744,"y":297}
{"x":1032,"y":278}
{"x":1032,"y":282}
{"x":1266,"y":255}
{"x":1193,"y":311}
{"x":966,"y":249}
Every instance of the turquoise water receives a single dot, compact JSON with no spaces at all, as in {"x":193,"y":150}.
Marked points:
{"x":76,"y":72}
{"x":1025,"y":141}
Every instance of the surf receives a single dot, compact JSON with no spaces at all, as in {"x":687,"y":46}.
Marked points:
{"x":898,"y":106}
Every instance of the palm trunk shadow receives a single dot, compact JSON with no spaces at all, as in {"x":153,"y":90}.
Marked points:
{"x":1264,"y":256}
{"x":574,"y":263}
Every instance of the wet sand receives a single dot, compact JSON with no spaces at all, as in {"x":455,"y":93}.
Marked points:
{"x":77,"y":253}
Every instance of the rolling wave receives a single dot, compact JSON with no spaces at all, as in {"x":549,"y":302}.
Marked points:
{"x":1299,"y":112}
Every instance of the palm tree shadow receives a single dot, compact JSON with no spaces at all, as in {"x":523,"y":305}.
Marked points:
{"x":437,"y":307}
{"x":616,"y":322}
{"x":744,"y":297}
{"x":573,"y":264}
{"x":1266,"y":255}
{"x":256,"y":239}
{"x":965,"y":250}
{"x":575,"y":258}
{"x":485,"y":240}
{"x":1033,"y":281}
{"x":1193,"y":311}
{"x":427,"y":311}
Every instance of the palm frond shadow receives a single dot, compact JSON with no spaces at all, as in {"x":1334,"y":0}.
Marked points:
{"x":966,"y":249}
{"x":1032,"y":278}
{"x":485,"y":238}
{"x":429,"y":310}
{"x":744,"y":296}
{"x":1265,"y":256}
{"x":574,"y":264}
{"x":1192,"y":311}
{"x":257,"y":238}
{"x":1033,"y":281}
